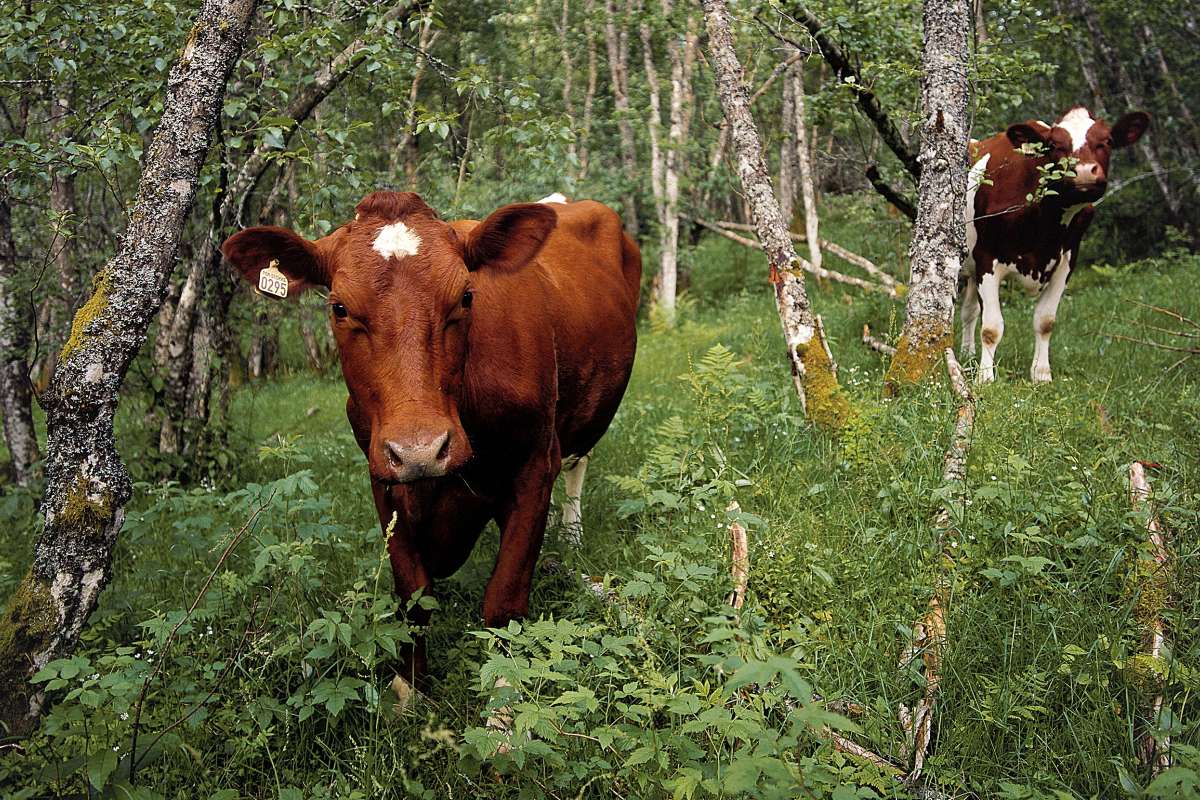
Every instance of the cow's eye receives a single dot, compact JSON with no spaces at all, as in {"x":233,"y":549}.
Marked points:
{"x":338,"y":310}
{"x":468,"y":298}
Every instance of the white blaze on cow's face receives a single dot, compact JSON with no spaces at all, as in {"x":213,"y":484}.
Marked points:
{"x":1090,"y":143}
{"x":397,"y":241}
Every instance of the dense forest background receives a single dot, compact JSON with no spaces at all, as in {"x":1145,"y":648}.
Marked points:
{"x":230,"y":410}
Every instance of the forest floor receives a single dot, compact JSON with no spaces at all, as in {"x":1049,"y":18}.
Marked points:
{"x":272,"y":686}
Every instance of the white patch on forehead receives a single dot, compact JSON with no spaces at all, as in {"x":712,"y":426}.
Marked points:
{"x":557,"y":197}
{"x":1077,"y":123}
{"x":396,"y":241}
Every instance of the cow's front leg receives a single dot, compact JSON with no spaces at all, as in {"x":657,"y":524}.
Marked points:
{"x":993,"y":326}
{"x":1044,"y":315}
{"x":409,"y":576}
{"x":522,"y":527}
{"x":969,"y":313}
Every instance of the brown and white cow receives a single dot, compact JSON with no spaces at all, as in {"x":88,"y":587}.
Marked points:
{"x":1036,"y":241}
{"x":479,"y":356}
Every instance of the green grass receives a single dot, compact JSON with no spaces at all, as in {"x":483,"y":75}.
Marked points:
{"x":1038,"y":696}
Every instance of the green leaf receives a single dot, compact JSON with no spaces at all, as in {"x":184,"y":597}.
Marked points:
{"x":100,"y":765}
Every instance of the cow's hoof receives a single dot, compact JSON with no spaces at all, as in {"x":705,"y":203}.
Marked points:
{"x":985,"y":376}
{"x":1040,"y":375}
{"x":406,"y":696}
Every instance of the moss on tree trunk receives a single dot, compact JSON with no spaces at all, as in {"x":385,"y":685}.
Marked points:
{"x":918,"y":353}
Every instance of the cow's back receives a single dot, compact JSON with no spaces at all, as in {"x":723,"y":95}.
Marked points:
{"x":558,"y":335}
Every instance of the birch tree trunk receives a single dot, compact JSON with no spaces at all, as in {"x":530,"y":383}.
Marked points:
{"x":812,"y":368}
{"x":589,"y":96}
{"x":568,"y":67}
{"x":16,"y":322}
{"x":788,"y":167}
{"x":682,"y":56}
{"x":616,"y":41}
{"x":804,"y":164}
{"x":939,"y":236}
{"x":87,"y":485}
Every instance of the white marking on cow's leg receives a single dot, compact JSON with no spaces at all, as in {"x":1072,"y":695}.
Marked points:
{"x":396,"y":241}
{"x":1044,"y":314}
{"x":969,"y":312}
{"x":993,"y":325}
{"x":572,"y":514}
{"x":557,"y":197}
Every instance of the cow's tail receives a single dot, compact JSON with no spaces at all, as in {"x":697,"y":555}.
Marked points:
{"x":631,"y":266}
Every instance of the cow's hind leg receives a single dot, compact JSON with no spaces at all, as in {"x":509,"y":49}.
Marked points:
{"x":1044,"y":315}
{"x":969,"y":312}
{"x":993,"y":326}
{"x":572,"y":510}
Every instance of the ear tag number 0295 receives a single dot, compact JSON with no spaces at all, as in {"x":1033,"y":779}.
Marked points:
{"x":273,"y":282}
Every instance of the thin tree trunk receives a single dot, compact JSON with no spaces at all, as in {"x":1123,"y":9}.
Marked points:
{"x":87,"y":485}
{"x":409,"y":147}
{"x":788,"y":166}
{"x":16,"y":392}
{"x":568,"y":67}
{"x":939,"y":237}
{"x":617,"y":43}
{"x":589,"y":97}
{"x":682,"y":56}
{"x":1133,"y":100}
{"x":981,"y":33}
{"x":812,"y":369}
{"x":804,"y":166}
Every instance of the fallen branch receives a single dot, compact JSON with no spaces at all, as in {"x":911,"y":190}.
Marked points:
{"x":820,"y":272}
{"x":878,"y":345}
{"x":1154,"y":754}
{"x":501,"y":720}
{"x":739,"y":558}
{"x":839,"y":251}
{"x":929,"y":635}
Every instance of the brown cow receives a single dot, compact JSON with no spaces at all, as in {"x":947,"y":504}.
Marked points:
{"x":1037,"y":241}
{"x":479,"y":356}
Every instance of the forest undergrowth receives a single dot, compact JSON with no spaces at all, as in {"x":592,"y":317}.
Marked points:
{"x":243,"y":649}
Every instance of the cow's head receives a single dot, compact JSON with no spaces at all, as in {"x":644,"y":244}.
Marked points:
{"x":1087,"y":140}
{"x":400,"y":306}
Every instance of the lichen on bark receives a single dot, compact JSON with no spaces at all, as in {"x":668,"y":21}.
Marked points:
{"x":28,"y":622}
{"x":919,"y":352}
{"x":88,"y":313}
{"x":824,"y":401}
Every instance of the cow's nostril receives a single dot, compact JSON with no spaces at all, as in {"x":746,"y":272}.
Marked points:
{"x":395,"y":453}
{"x":443,"y":447}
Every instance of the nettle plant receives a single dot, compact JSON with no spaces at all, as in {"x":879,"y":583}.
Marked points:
{"x":264,"y":649}
{"x":1050,"y":173}
{"x":661,"y":689}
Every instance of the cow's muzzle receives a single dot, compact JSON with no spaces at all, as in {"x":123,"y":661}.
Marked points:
{"x":424,"y":455}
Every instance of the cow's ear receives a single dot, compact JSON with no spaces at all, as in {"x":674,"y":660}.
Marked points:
{"x":254,"y":249}
{"x":1130,"y":128}
{"x":1024,"y":133}
{"x":510,"y":237}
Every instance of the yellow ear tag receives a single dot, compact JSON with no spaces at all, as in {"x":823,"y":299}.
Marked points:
{"x":272,"y":281}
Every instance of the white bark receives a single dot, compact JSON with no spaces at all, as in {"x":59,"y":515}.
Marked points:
{"x":808,"y":361}
{"x":939,"y":236}
{"x":804,"y":165}
{"x":16,"y":324}
{"x":616,"y":39}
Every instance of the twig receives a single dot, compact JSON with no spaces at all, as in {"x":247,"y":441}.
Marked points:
{"x":739,"y":558}
{"x":877,"y":345}
{"x":1153,"y":753}
{"x":892,"y":195}
{"x":832,"y":247}
{"x":820,"y":272}
{"x":929,"y":635}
